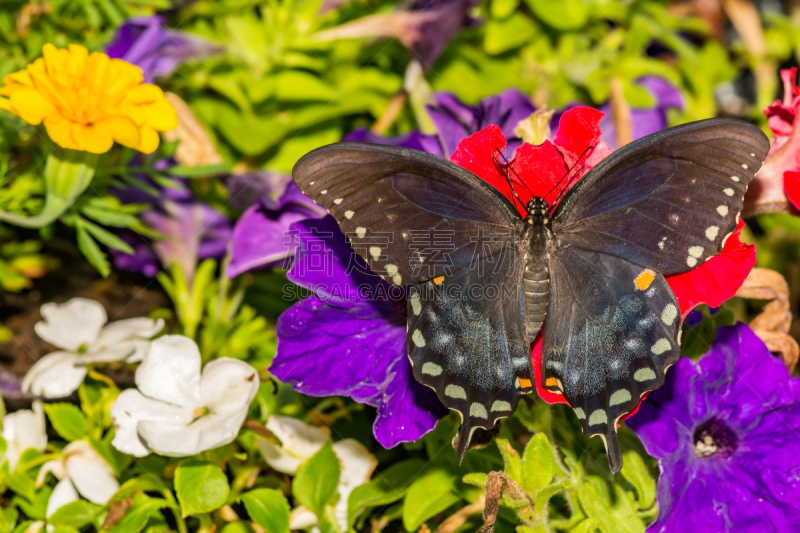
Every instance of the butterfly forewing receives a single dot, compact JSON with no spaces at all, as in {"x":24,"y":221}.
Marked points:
{"x":668,"y":201}
{"x":410,"y":215}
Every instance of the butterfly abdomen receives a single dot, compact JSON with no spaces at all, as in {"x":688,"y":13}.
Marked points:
{"x":536,"y":279}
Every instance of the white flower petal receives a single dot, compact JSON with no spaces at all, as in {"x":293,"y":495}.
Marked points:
{"x":54,"y":376}
{"x":207,"y":432}
{"x":92,"y":475}
{"x":171,"y":371}
{"x":126,"y":330}
{"x":63,"y":494}
{"x":357,"y":467}
{"x":297,"y":438}
{"x":109,"y":354}
{"x":72,"y":324}
{"x":55,"y":467}
{"x":228,"y":386}
{"x":23,"y":430}
{"x":302,"y":518}
{"x":129,"y":408}
{"x":277,"y":458}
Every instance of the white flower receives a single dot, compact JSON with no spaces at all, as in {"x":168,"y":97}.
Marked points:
{"x":178,"y":412}
{"x":80,"y":470}
{"x":78,"y":328}
{"x":23,"y":430}
{"x":299,"y":441}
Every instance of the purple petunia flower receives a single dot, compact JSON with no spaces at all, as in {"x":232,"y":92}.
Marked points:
{"x":455,"y":120}
{"x":348,"y":338}
{"x":726,"y":432}
{"x":644,"y":121}
{"x":192,"y":229}
{"x":158,"y":51}
{"x":260,"y":237}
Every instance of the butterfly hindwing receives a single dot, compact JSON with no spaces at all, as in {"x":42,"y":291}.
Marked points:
{"x":410,"y":215}
{"x":467,"y":341}
{"x":610,"y":337}
{"x":668,"y":201}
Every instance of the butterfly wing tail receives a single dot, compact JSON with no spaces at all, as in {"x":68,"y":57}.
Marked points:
{"x":613,"y":451}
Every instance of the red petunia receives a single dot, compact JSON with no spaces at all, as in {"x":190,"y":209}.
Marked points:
{"x":779,"y":178}
{"x":535,"y":170}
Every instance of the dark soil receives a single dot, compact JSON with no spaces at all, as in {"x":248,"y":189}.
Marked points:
{"x":123,"y":294}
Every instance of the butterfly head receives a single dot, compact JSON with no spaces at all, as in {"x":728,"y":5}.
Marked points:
{"x":537,"y":211}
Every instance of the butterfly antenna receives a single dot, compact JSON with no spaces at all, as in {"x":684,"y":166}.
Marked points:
{"x":569,"y":182}
{"x":508,"y":179}
{"x":508,"y":166}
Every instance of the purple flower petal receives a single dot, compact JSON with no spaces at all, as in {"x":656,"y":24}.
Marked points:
{"x":415,"y":140}
{"x":349,"y":337}
{"x":261,"y":236}
{"x":455,"y":120}
{"x":725,"y":433}
{"x":158,"y":51}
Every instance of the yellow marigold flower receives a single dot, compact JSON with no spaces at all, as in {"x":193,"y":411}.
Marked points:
{"x":88,"y":101}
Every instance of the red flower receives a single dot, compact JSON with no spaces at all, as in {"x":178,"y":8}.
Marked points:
{"x":779,"y":178}
{"x":539,"y":169}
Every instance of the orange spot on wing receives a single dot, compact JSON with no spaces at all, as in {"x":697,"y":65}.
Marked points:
{"x":525,"y":383}
{"x":644,"y":279}
{"x":439,"y":280}
{"x":551,"y":382}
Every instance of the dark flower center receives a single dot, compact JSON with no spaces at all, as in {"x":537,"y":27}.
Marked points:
{"x":713,"y":438}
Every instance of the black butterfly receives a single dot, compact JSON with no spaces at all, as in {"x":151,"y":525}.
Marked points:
{"x":593,"y":273}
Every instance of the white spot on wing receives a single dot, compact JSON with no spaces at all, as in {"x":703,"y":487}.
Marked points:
{"x":735,"y":178}
{"x":338,"y":201}
{"x":361,"y":232}
{"x":598,"y":417}
{"x":416,"y":305}
{"x":696,"y":251}
{"x":375,"y":252}
{"x":324,"y":191}
{"x":418,"y":339}
{"x":729,"y":192}
{"x":431,"y":369}
{"x":644,"y":374}
{"x":620,"y":396}
{"x":722,"y":210}
{"x":712,"y":232}
{"x":500,"y":405}
{"x":669,"y":314}
{"x":349,"y":214}
{"x":455,"y":391}
{"x":660,"y":346}
{"x":579,"y":413}
{"x":744,"y":166}
{"x":478,"y":410}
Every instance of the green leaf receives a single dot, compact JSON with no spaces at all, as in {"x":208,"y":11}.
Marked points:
{"x":636,"y":470}
{"x":105,"y":236}
{"x":479,"y":479}
{"x":199,"y":171}
{"x":76,"y":514}
{"x":67,"y":420}
{"x":561,"y":14}
{"x":614,"y":512}
{"x":89,"y":248}
{"x":586,"y":526}
{"x":391,"y":485}
{"x":511,"y":460}
{"x":538,"y":464}
{"x":201,"y":487}
{"x":429,"y":494}
{"x":507,"y":34}
{"x":108,"y":216}
{"x":316,"y":480}
{"x":136,"y":518}
{"x":268,"y":508}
